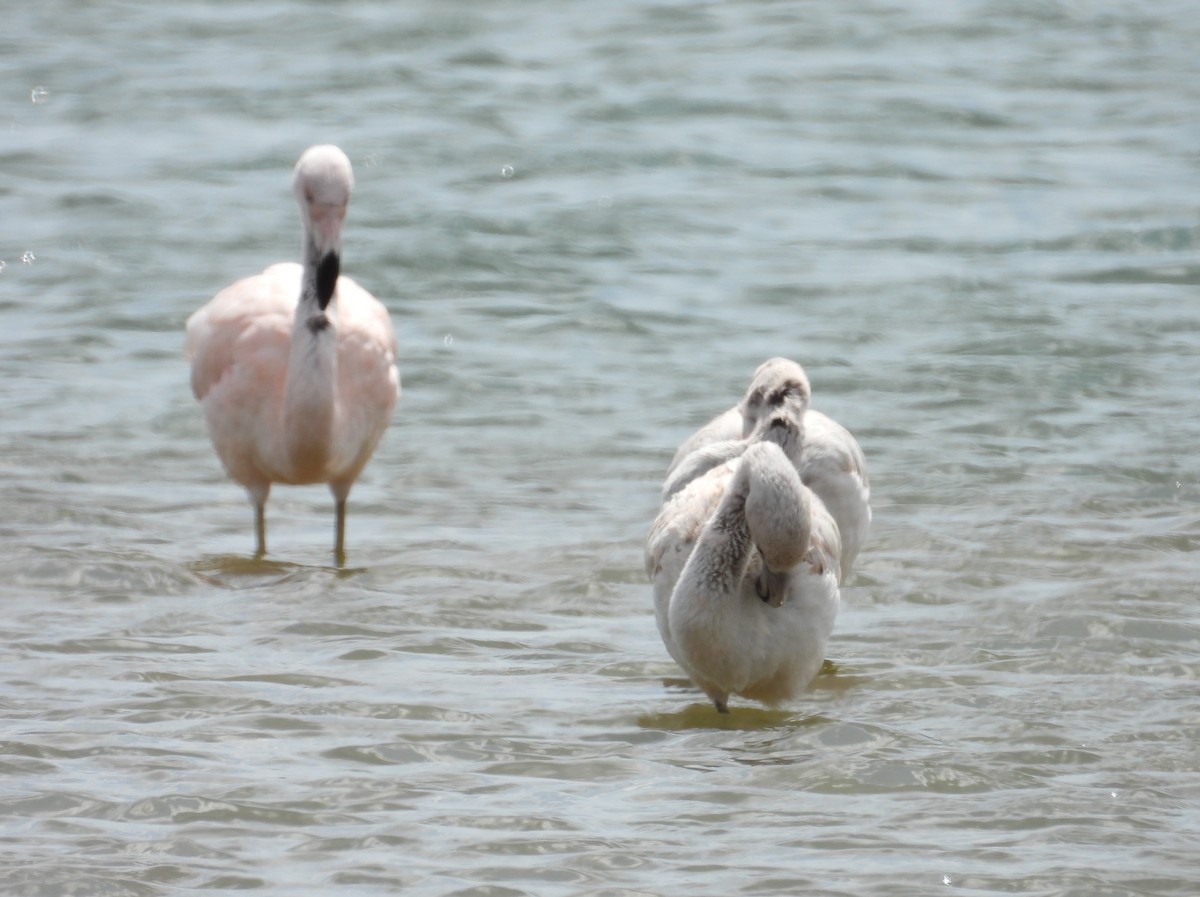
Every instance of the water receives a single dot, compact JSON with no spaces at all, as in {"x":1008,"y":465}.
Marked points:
{"x":975,"y":225}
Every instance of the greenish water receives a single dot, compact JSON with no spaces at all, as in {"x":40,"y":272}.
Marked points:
{"x":974,"y":224}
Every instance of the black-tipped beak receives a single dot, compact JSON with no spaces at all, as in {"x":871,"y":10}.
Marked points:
{"x":327,"y":275}
{"x":773,"y":587}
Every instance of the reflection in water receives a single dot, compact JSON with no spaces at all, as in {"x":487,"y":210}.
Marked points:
{"x":739,"y":718}
{"x":239,"y":572}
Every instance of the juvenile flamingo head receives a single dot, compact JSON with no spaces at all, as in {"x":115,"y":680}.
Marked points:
{"x":322,"y":182}
{"x":779,"y":384}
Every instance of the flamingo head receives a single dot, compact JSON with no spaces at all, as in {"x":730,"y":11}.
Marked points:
{"x":779,"y":384}
{"x":322,"y":182}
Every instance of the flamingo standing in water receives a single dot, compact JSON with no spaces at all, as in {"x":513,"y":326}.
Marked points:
{"x":831,"y":463}
{"x":296,"y":366}
{"x":745,"y":562}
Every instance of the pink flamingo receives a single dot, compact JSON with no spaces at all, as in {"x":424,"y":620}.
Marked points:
{"x":296,"y":366}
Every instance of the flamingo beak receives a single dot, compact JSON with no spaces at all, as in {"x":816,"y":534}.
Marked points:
{"x":327,"y":226}
{"x":327,"y":221}
{"x":773,"y":587}
{"x":327,"y":275}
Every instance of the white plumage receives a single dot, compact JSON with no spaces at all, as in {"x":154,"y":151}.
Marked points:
{"x":745,"y":561}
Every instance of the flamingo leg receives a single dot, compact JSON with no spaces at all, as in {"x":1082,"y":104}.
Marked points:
{"x":260,"y":528}
{"x":339,"y":541}
{"x":258,"y":493}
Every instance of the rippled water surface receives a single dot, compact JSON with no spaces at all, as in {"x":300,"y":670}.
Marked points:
{"x":976,"y":226}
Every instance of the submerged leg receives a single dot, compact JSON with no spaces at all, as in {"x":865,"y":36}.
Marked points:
{"x":260,"y":530}
{"x":340,"y":493}
{"x":719,"y":698}
{"x":339,"y":539}
{"x":716,"y":694}
{"x":258,"y":496}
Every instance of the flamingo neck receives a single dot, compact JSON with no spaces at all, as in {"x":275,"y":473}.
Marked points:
{"x":709,"y":625}
{"x":717,"y":566}
{"x":765,"y":508}
{"x":310,"y":390}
